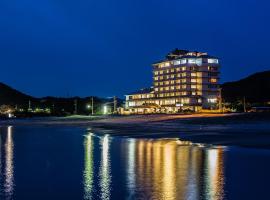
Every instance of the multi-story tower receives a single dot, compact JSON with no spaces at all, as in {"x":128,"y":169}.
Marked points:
{"x":185,"y":80}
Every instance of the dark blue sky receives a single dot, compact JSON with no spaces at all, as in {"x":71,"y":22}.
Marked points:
{"x":106,"y":47}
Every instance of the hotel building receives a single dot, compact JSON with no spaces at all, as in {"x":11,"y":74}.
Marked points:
{"x":183,"y":81}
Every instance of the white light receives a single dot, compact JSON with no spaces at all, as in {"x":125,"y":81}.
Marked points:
{"x":105,"y":110}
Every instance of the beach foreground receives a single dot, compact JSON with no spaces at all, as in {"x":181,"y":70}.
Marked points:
{"x":222,"y":129}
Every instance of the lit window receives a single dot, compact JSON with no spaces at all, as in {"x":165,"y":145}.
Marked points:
{"x":213,"y":80}
{"x":215,"y":61}
{"x":183,"y":61}
{"x":193,"y":80}
{"x":177,"y":62}
{"x":167,"y":64}
{"x":193,"y":86}
{"x":199,"y":61}
{"x":192,"y":61}
{"x":193,"y":93}
{"x":212,"y":100}
{"x":184,"y":68}
{"x":193,"y":74}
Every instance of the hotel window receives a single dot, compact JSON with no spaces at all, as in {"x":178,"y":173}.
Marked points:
{"x":183,"y":61}
{"x":184,"y":74}
{"x":156,"y":78}
{"x":178,"y":75}
{"x":178,"y":81}
{"x":177,"y":62}
{"x":172,"y":70}
{"x":213,"y":80}
{"x":161,"y":72}
{"x":184,"y":68}
{"x":161,"y":77}
{"x":212,"y":100}
{"x":185,"y":100}
{"x":193,"y":93}
{"x":193,"y":80}
{"x":156,"y":73}
{"x":132,"y":103}
{"x":172,"y":87}
{"x":178,"y":87}
{"x":192,"y":61}
{"x":172,"y":82}
{"x":199,"y":100}
{"x":161,"y":65}
{"x":212,"y":68}
{"x":184,"y":80}
{"x":193,"y":86}
{"x":167,"y":82}
{"x":156,"y":89}
{"x":167,"y":88}
{"x":215,"y":61}
{"x":199,"y":61}
{"x":161,"y":83}
{"x":167,"y":64}
{"x":184,"y":86}
{"x":178,"y":69}
{"x":184,"y":93}
{"x":194,"y":74}
{"x":172,"y":76}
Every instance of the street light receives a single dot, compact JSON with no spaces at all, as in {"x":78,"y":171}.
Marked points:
{"x":105,"y":110}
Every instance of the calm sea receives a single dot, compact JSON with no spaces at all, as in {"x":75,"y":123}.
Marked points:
{"x":54,"y":162}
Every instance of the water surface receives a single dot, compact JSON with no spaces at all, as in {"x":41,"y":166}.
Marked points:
{"x":54,"y":162}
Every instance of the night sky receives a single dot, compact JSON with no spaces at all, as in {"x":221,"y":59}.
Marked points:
{"x":106,"y":47}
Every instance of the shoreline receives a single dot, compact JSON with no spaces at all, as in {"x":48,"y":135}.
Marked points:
{"x":240,"y":129}
{"x":107,"y":120}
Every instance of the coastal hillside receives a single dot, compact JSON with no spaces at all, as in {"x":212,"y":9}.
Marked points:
{"x":255,"y":88}
{"x":57,"y":105}
{"x":10,"y":96}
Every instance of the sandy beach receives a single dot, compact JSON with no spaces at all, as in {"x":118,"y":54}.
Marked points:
{"x":215,"y":129}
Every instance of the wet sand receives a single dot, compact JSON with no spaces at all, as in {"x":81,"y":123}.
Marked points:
{"x":215,"y":129}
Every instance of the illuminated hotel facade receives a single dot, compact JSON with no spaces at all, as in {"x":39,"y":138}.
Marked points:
{"x":184,"y":81}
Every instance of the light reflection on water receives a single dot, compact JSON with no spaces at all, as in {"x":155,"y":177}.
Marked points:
{"x":105,"y":173}
{"x":6,"y":165}
{"x":89,"y":167}
{"x":159,"y":169}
